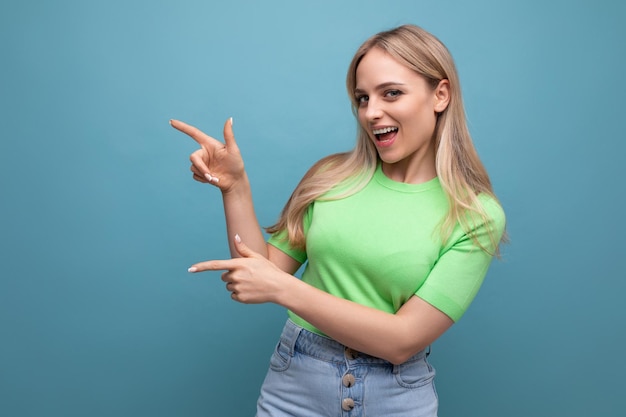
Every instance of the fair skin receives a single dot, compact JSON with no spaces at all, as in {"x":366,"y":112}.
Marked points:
{"x":396,"y":97}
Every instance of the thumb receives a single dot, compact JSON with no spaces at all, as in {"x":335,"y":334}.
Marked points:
{"x":229,"y":136}
{"x":243,"y":249}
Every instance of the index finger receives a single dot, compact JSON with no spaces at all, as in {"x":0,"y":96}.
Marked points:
{"x":193,"y":132}
{"x":216,"y":265}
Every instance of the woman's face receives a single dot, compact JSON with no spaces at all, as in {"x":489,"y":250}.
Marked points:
{"x":398,"y":110}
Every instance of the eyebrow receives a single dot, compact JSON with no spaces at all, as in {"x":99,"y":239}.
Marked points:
{"x":380,"y":86}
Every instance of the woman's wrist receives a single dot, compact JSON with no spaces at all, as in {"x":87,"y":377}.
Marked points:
{"x":286,"y":291}
{"x":240,"y":187}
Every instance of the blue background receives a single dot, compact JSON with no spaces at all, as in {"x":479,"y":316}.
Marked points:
{"x":100,"y":218}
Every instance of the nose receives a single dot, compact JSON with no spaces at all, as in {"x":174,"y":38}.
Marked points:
{"x":374,"y":110}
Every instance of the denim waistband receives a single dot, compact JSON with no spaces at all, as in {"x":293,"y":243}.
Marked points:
{"x":298,"y":339}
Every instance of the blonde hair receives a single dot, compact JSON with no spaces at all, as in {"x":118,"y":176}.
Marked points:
{"x":460,"y":171}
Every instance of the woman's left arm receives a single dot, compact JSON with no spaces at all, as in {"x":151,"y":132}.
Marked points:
{"x":396,"y":337}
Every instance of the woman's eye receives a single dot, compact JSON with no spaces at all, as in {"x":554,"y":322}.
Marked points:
{"x":362,"y":99}
{"x":393,"y":93}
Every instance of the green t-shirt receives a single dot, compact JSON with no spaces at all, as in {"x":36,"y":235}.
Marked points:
{"x":382,"y":245}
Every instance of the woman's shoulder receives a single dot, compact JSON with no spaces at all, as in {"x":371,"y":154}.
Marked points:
{"x":493,"y":208}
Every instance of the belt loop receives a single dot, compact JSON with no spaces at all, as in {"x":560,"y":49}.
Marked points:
{"x":290,"y":336}
{"x":428,"y":351}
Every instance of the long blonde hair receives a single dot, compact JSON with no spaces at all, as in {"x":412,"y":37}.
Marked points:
{"x":460,"y":171}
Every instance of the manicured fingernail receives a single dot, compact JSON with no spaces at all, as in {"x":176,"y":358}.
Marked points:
{"x":192,"y":269}
{"x":208,"y":177}
{"x":215,"y":180}
{"x":237,"y":238}
{"x":231,"y":121}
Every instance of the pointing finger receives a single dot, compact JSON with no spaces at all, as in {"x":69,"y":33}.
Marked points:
{"x":217,"y":265}
{"x":194,"y":133}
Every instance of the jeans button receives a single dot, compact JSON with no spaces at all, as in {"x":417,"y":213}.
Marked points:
{"x":351,"y":353}
{"x":348,"y":380}
{"x":347,"y":404}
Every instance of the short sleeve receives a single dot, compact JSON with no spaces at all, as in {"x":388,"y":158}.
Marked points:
{"x":457,"y":276}
{"x":280,"y":241}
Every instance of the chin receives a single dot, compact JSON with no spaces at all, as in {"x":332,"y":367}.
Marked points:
{"x":389,"y":159}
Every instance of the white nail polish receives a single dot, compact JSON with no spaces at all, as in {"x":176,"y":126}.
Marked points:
{"x":237,"y":238}
{"x":216,"y":180}
{"x":231,"y":121}
{"x":208,"y":177}
{"x":192,"y":269}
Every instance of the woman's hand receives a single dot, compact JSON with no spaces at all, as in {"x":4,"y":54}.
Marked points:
{"x":251,"y":279}
{"x":215,"y":162}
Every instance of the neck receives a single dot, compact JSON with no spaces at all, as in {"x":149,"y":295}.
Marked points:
{"x":416,"y":169}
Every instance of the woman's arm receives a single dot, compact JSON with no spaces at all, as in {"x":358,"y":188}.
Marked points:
{"x":241,"y":217}
{"x":220,"y":164}
{"x":394,"y":337}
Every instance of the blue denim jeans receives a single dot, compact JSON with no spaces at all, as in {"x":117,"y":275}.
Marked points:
{"x":314,"y":376}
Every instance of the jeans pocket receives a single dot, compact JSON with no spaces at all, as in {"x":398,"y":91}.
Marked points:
{"x":414,"y":374}
{"x":280,"y":359}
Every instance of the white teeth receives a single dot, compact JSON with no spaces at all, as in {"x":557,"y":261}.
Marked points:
{"x":384,"y":130}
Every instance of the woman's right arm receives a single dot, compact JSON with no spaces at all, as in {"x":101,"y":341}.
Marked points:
{"x":221,"y":165}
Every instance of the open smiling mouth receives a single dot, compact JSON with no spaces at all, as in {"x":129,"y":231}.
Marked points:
{"x":385,"y":133}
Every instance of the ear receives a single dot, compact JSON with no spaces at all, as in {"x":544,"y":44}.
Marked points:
{"x":442,"y":95}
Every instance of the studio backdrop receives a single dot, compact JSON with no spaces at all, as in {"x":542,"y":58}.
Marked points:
{"x":100,"y":217}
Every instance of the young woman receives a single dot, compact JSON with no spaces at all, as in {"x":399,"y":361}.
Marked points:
{"x":397,"y":236}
